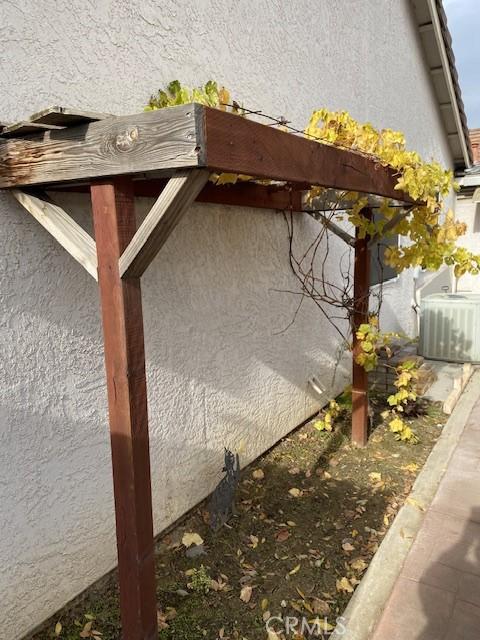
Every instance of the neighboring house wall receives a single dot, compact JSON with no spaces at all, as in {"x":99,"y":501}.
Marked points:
{"x":469,"y":212}
{"x":220,"y":370}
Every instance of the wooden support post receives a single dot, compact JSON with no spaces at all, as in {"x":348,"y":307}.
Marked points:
{"x":361,"y":293}
{"x":114,"y":223}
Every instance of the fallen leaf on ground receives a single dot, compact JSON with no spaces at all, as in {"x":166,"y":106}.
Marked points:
{"x":58,"y":629}
{"x":191,"y":538}
{"x":258,"y":474}
{"x":282,"y":535}
{"x":344,"y":586}
{"x":320,"y":607}
{"x":296,"y":493}
{"x":253,"y":542}
{"x":411,"y":468}
{"x":416,"y":504}
{"x":246,"y":593}
{"x":359,"y":564}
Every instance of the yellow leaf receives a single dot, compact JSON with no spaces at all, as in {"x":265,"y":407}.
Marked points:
{"x":359,"y":564}
{"x":416,"y":504}
{"x":294,"y":570}
{"x":411,"y":468}
{"x":344,"y":586}
{"x":300,"y":593}
{"x":58,"y":629}
{"x":191,"y":538}
{"x":254,"y":542}
{"x":296,"y":493}
{"x":227,"y":178}
{"x":323,"y":625}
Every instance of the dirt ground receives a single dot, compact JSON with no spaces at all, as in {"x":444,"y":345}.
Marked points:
{"x":311,"y":514}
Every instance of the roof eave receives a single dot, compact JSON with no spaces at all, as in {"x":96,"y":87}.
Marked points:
{"x":437,"y":44}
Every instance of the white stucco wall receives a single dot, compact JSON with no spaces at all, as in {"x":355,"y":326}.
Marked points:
{"x":218,"y":371}
{"x":469,"y":212}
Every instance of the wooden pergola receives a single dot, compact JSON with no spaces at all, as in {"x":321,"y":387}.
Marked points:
{"x":168,"y":154}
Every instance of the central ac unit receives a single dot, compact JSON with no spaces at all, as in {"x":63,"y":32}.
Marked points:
{"x":450,"y":327}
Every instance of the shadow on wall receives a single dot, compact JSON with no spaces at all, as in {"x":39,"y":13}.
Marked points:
{"x":218,"y":365}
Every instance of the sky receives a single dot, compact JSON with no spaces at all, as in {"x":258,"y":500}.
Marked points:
{"x":464,"y":24}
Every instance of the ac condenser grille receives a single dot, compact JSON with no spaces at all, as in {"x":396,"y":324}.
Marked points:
{"x":449,"y":327}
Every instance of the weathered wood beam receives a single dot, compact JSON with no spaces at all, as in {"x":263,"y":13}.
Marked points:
{"x":114,"y":223}
{"x":171,"y":204}
{"x":361,"y":297}
{"x":149,"y":141}
{"x":239,"y":145}
{"x":25,"y":128}
{"x":62,"y":227}
{"x":187,"y":136}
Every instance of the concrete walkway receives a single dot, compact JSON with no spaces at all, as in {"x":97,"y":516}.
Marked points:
{"x":437,"y":595}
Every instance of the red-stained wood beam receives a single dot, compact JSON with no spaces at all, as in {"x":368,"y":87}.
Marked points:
{"x":114,"y":224}
{"x":234,"y":144}
{"x":241,"y":194}
{"x":245,"y":194}
{"x":361,"y":295}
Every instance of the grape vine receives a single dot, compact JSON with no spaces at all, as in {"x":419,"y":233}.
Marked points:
{"x":428,"y":228}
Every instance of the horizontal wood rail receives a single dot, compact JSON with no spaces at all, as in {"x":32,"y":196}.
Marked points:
{"x":187,"y":137}
{"x":239,"y":145}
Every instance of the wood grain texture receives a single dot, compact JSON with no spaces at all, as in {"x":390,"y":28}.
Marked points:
{"x":114,"y":223}
{"x":361,"y":296}
{"x":161,"y":220}
{"x":238,"y":145}
{"x":62,"y":227}
{"x":149,"y":141}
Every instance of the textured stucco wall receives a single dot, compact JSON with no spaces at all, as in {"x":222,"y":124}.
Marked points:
{"x":219,"y":373}
{"x":469,"y":212}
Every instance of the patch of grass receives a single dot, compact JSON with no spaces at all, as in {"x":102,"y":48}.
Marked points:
{"x":294,"y":549}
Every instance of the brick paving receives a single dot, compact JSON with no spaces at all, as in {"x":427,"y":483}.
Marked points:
{"x":437,"y":595}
